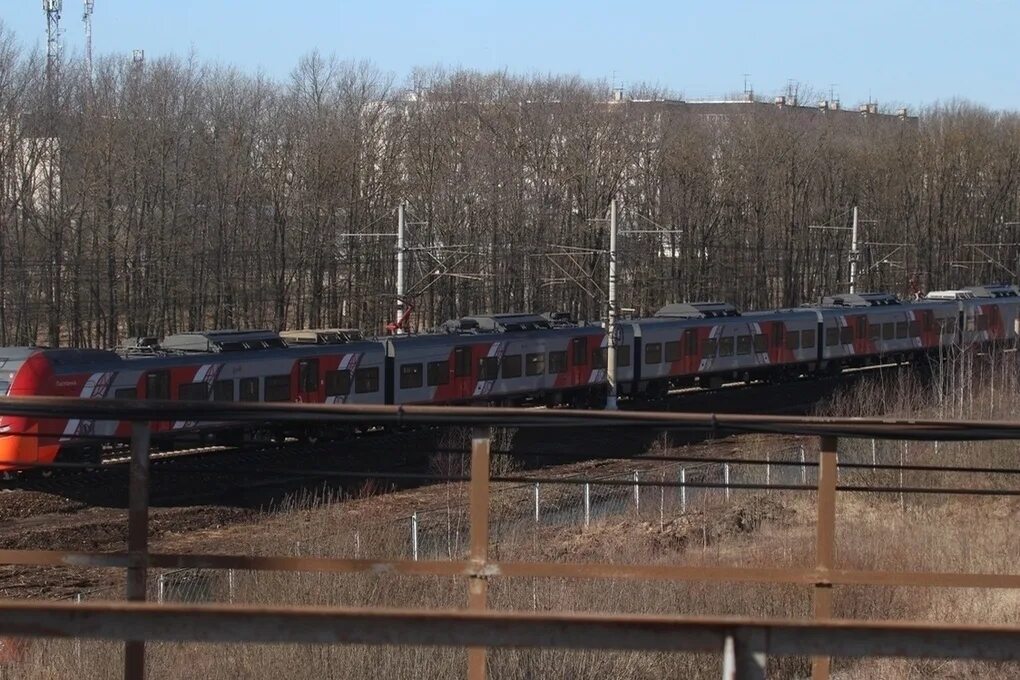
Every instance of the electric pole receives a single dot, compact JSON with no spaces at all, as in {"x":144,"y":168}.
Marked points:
{"x":400,"y":268}
{"x":854,"y":254}
{"x":611,"y":325}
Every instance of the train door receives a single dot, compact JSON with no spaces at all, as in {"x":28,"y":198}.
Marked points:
{"x":463,"y":377}
{"x":579,"y":361}
{"x":308,"y":381}
{"x":157,"y":387}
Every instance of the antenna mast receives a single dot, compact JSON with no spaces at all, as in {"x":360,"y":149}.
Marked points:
{"x":86,"y":18}
{"x":52,"y":9}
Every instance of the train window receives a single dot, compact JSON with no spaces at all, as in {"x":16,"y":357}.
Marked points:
{"x":760,"y":343}
{"x":777,"y":334}
{"x":901,"y":329}
{"x":888,"y":330}
{"x":793,"y":340}
{"x":875,"y":332}
{"x":277,"y":388}
{"x":462,"y":362}
{"x":950,"y":326}
{"x":193,"y":391}
{"x":846,"y":335}
{"x":743,"y":344}
{"x":672,"y":351}
{"x":308,"y":375}
{"x":807,"y":338}
{"x":512,"y":366}
{"x":862,"y":327}
{"x":599,"y":357}
{"x":982,"y":322}
{"x":653,"y":353}
{"x":438,"y":373}
{"x":338,"y":383}
{"x":488,"y":368}
{"x":249,"y":389}
{"x":410,"y":376}
{"x":623,"y":356}
{"x":157,"y":385}
{"x":557,"y":362}
{"x":366,"y":380}
{"x":726,"y":346}
{"x":915,"y":329}
{"x":831,"y":336}
{"x":690,"y":342}
{"x":126,"y":393}
{"x":223,"y":390}
{"x":535,"y":364}
{"x":579,"y":347}
{"x":710,"y":346}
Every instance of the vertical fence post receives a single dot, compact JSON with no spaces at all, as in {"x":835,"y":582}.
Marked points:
{"x":803,"y":466}
{"x":903,"y":502}
{"x":825,"y":543}
{"x":683,"y":491}
{"x":536,"y":501}
{"x":479,"y":501}
{"x":768,"y":473}
{"x":874,"y":453}
{"x":414,"y":535}
{"x":161,"y":588}
{"x":138,"y":540}
{"x":587,"y":504}
{"x":230,"y":585}
{"x":662,"y":502}
{"x":357,"y":544}
{"x":726,"y":479}
{"x":637,"y":494}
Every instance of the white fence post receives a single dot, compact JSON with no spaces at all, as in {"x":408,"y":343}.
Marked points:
{"x":662,"y":502}
{"x":587,"y":504}
{"x":683,"y":491}
{"x":414,"y":535}
{"x":230,"y":585}
{"x":357,"y":544}
{"x":874,"y":453}
{"x":637,"y":494}
{"x":803,"y":466}
{"x":768,"y":473}
{"x":161,"y":588}
{"x":726,"y":479}
{"x":536,"y":501}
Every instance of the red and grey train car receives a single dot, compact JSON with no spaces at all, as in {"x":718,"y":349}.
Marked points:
{"x":497,"y":359}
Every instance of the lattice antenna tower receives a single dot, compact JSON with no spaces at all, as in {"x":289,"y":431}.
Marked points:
{"x":52,"y":8}
{"x":86,"y":19}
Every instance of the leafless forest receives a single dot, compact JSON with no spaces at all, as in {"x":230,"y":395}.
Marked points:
{"x":172,"y":195}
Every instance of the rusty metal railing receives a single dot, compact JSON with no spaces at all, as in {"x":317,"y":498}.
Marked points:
{"x":745,"y":643}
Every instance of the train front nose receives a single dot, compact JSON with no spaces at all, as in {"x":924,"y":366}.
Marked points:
{"x":18,"y":448}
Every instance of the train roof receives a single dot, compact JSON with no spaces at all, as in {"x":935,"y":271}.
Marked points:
{"x":322,"y":336}
{"x":860,"y":300}
{"x":697,"y":310}
{"x":228,"y":340}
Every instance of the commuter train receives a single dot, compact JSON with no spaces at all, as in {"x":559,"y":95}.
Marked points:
{"x":506,"y":359}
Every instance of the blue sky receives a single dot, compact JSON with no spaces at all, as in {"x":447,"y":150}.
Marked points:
{"x":908,"y":52}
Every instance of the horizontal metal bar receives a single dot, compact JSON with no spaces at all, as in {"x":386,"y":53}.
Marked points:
{"x":316,"y":625}
{"x":464,"y":416}
{"x":511,"y":569}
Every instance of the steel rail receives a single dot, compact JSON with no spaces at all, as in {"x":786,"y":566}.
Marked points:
{"x":320,"y":625}
{"x":463,"y":416}
{"x":518,"y":569}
